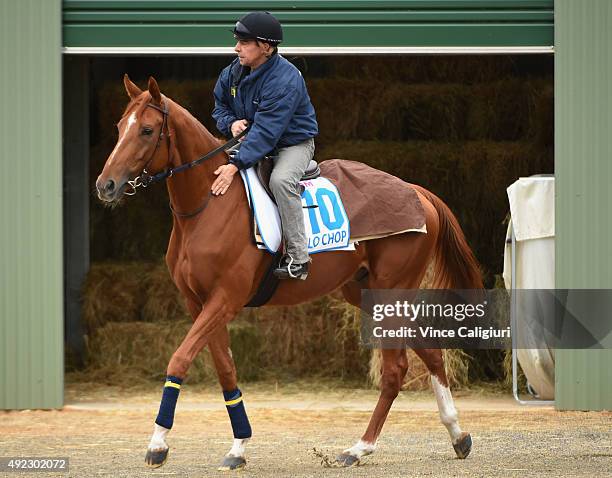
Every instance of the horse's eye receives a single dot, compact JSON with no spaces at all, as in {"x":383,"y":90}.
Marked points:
{"x":147,"y":131}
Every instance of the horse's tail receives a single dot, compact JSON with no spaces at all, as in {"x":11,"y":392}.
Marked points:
{"x":456,"y":266}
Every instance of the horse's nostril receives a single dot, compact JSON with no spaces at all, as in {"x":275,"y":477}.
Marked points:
{"x":110,"y":186}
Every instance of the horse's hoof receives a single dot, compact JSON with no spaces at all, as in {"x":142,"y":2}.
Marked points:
{"x":231,"y":463}
{"x":346,"y":460}
{"x":155,"y":459}
{"x":463,"y":446}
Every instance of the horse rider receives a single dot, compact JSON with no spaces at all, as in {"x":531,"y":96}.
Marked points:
{"x":263,"y":90}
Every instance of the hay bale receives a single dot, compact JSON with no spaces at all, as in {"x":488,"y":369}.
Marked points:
{"x":320,"y":339}
{"x":456,"y":365}
{"x":507,"y":373}
{"x":368,"y":109}
{"x":317,"y":339}
{"x":130,"y":292}
{"x":464,"y":69}
{"x":486,"y":366}
{"x":138,"y":352}
{"x":163,"y":300}
{"x":375,"y":107}
{"x":417,"y":375}
{"x":542,"y":118}
{"x":112,"y":292}
{"x":246,"y":343}
{"x":340,"y":105}
{"x":137,"y":229}
{"x":133,"y":352}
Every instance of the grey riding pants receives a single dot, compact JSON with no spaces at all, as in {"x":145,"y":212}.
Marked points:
{"x":289,"y":167}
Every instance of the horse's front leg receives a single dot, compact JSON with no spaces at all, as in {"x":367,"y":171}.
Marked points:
{"x":394,"y":369}
{"x":215,"y":314}
{"x":221,"y":354}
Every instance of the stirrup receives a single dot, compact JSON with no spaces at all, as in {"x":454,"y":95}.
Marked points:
{"x":288,"y":270}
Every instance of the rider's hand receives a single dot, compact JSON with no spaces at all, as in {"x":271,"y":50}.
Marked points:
{"x":225,"y":175}
{"x":239,"y":126}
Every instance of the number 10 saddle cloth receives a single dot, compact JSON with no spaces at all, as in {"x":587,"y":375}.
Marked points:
{"x":350,"y":202}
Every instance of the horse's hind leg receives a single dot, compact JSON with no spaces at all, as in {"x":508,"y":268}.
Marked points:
{"x":226,"y":371}
{"x":433,"y":359}
{"x":387,"y":272}
{"x":394,"y":369}
{"x":394,"y":262}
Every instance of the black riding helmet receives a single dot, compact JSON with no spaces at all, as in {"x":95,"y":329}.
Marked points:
{"x":259,"y":26}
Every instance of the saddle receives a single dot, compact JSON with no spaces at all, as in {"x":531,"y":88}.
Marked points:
{"x":264,"y":170}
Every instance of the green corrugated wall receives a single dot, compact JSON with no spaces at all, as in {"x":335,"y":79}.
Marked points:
{"x":312,"y":23}
{"x":583,"y":171}
{"x":31,"y":304}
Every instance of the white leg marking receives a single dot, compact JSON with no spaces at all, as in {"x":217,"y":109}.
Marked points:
{"x":131,"y":120}
{"x":158,"y":440}
{"x":238,"y":448}
{"x":361,"y":448}
{"x":446,"y":406}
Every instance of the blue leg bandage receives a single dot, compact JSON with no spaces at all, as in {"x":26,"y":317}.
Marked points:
{"x":237,"y":414}
{"x":172,"y":387}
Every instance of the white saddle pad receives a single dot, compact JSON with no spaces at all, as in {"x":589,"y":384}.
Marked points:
{"x":326,"y":222}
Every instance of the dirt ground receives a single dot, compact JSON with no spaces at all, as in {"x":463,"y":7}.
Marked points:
{"x":104,"y":431}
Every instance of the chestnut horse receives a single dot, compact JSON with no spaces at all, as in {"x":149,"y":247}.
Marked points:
{"x":217,"y":268}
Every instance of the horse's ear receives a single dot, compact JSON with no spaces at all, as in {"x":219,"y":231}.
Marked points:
{"x":154,"y":90}
{"x":132,"y":90}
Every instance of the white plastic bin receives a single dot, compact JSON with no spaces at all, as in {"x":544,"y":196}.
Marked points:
{"x":529,"y":263}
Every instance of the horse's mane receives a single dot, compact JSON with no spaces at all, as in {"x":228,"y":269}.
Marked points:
{"x":180,"y":109}
{"x":187,"y":114}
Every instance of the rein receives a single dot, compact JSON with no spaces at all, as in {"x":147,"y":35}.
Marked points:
{"x":145,"y":179}
{"x":186,"y":215}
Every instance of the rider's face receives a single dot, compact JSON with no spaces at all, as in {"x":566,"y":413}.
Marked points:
{"x":252,"y":53}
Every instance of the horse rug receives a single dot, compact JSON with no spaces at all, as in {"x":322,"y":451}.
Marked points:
{"x":350,"y":202}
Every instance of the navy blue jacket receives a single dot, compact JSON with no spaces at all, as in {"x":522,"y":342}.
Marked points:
{"x":273,"y":99}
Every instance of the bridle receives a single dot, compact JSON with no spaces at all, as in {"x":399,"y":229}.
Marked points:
{"x":145,"y":179}
{"x":142,"y":179}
